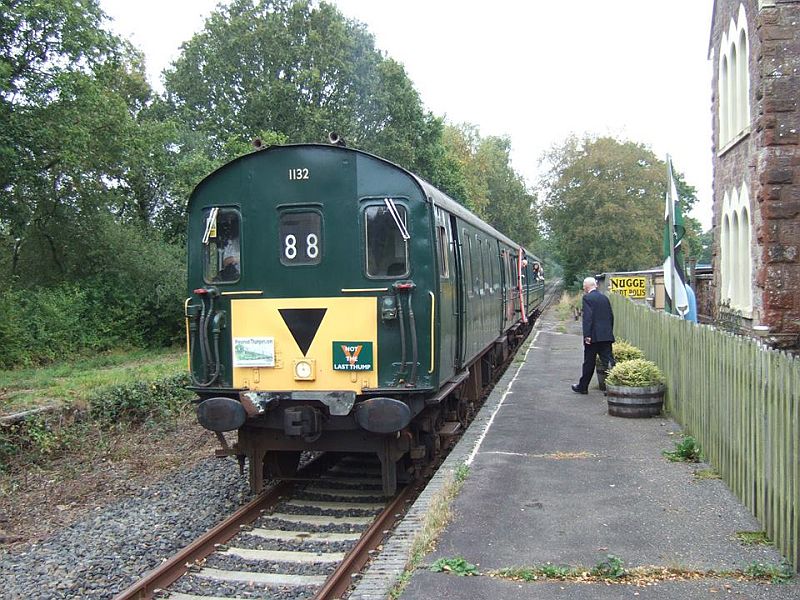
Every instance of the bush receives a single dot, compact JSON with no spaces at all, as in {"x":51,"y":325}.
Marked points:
{"x":140,"y":402}
{"x":127,"y":291}
{"x":637,"y":372}
{"x":624,"y":350}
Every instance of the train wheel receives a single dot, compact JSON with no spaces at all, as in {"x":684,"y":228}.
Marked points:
{"x":280,"y":464}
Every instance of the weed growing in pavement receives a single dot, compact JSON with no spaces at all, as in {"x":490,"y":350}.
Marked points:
{"x":456,"y":566}
{"x":547,"y":571}
{"x":753,"y":538}
{"x":612,"y":571}
{"x":611,"y":568}
{"x":707,"y":474}
{"x":687,"y":450}
{"x":782,"y":573}
{"x":462,"y":472}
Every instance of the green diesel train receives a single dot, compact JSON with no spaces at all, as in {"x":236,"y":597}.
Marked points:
{"x":341,"y":303}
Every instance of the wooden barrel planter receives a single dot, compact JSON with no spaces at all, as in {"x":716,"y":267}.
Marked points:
{"x":635,"y":402}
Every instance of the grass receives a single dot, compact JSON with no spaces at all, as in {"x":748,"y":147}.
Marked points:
{"x":612,"y":570}
{"x":538,"y":573}
{"x":438,"y":516}
{"x":72,"y":382}
{"x":753,"y":538}
{"x":565,"y":309}
{"x":769,"y":572}
{"x":707,"y":474}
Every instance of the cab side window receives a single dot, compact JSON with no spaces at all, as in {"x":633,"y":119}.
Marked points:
{"x":221,"y":245}
{"x":387,"y":249}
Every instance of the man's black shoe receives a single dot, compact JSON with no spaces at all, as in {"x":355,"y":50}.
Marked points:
{"x":578,"y":390}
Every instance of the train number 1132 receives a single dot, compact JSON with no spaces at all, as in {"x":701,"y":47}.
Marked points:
{"x":297,"y":174}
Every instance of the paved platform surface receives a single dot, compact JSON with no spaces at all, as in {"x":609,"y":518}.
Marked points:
{"x":556,"y":480}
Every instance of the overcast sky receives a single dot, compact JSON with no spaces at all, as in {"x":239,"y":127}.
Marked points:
{"x":533,"y":70}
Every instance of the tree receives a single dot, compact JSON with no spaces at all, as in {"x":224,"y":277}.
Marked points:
{"x":603,"y":205}
{"x":70,"y":144}
{"x":83,"y":179}
{"x":478,"y":173}
{"x":301,"y":71}
{"x":509,"y":204}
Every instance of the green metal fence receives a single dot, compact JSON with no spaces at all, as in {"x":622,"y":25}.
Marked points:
{"x":740,"y":400}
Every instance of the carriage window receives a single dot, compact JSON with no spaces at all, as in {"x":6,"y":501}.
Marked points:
{"x":467,"y":260}
{"x":387,"y":251}
{"x":221,"y":243}
{"x":300,"y":234}
{"x":487,"y":268}
{"x":444,"y":246}
{"x":475,"y":257}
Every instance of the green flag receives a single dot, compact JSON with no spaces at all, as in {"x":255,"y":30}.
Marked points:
{"x":674,"y":279}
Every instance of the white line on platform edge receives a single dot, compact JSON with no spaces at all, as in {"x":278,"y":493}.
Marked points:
{"x":477,"y":447}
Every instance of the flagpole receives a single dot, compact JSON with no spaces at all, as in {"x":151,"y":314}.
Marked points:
{"x":671,"y":225}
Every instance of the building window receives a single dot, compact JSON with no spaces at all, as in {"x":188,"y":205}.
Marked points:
{"x":736,"y":260}
{"x":734,"y":81}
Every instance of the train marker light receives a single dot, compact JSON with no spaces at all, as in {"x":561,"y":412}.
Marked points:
{"x":304,"y":370}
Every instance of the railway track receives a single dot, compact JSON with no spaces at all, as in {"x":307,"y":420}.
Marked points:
{"x":300,"y":539}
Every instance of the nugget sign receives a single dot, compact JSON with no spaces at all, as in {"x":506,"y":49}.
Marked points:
{"x":631,"y":287}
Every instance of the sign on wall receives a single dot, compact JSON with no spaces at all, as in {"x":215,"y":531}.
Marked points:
{"x":629,"y":286}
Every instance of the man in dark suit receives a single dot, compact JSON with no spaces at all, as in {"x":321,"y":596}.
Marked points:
{"x":598,"y":333}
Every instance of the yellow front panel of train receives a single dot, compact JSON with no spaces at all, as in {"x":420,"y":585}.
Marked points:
{"x":315,"y":344}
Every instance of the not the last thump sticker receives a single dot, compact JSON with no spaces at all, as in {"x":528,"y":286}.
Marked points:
{"x":352,"y":356}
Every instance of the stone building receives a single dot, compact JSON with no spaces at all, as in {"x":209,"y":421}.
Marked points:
{"x":755,"y":49}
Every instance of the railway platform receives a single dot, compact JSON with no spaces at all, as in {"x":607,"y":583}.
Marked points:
{"x":555,"y":481}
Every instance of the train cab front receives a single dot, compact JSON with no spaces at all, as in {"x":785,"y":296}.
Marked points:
{"x":303,"y":376}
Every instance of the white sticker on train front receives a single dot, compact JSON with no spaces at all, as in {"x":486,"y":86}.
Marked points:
{"x":254,"y":352}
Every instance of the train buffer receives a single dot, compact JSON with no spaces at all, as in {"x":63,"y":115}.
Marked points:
{"x":557,"y":486}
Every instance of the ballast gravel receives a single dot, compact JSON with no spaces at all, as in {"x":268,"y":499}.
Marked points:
{"x":234,"y":563}
{"x":251,"y":542}
{"x":205,"y":587}
{"x":102,"y":554}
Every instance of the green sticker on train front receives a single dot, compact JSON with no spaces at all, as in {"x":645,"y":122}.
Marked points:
{"x":352,"y":356}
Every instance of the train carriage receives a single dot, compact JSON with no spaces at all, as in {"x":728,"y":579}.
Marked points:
{"x":340,"y":303}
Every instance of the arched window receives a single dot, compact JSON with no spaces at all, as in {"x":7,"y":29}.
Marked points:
{"x":734,"y":81}
{"x":733,"y":93}
{"x":744,"y":260}
{"x":726,"y":257}
{"x":723,"y":102}
{"x":735,"y":267}
{"x":736,"y":264}
{"x":743,"y":81}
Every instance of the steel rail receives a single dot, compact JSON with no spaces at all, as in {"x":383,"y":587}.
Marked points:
{"x":341,"y":579}
{"x":171,"y":570}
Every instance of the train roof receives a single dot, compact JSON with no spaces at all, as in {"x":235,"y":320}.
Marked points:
{"x":431,"y":193}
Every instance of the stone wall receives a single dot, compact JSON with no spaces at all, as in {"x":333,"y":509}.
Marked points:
{"x":778,"y":166}
{"x":766,"y":157}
